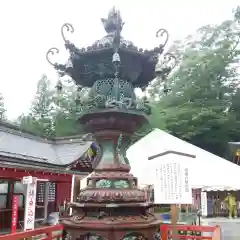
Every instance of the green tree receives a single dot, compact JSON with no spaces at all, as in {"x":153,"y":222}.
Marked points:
{"x":53,"y":113}
{"x":39,"y":119}
{"x":203,"y":86}
{"x":65,"y":114}
{"x":42,"y":103}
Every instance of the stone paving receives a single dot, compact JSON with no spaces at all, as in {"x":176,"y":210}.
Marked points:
{"x":230,"y":227}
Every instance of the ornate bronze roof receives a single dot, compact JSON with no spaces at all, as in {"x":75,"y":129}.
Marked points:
{"x":87,"y":65}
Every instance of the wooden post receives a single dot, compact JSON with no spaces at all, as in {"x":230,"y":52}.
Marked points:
{"x":217,"y":233}
{"x":187,"y":208}
{"x":174,"y":214}
{"x":46,"y":191}
{"x":174,"y":218}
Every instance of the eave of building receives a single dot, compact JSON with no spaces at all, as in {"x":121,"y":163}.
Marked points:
{"x":79,"y":166}
{"x":45,"y":169}
{"x":18,"y":174}
{"x":21,"y":147}
{"x":26,"y":162}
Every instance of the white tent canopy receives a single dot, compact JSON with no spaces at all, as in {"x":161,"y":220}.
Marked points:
{"x":207,"y":169}
{"x":218,"y":188}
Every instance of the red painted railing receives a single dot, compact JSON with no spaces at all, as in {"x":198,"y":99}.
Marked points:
{"x":196,"y":232}
{"x":165,"y":229}
{"x":46,"y":233}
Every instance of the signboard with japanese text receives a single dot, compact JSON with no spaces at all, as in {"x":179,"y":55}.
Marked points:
{"x":27,"y":180}
{"x":30,"y":204}
{"x":15,"y":200}
{"x":172,"y":180}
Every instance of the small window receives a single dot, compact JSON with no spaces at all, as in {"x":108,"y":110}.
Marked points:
{"x":3,"y":201}
{"x":3,"y":194}
{"x":3,"y":187}
{"x":19,"y":188}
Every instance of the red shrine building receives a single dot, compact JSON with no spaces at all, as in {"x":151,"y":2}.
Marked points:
{"x":60,"y":162}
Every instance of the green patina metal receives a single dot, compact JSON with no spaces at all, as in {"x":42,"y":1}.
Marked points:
{"x":103,"y":183}
{"x":112,"y":94}
{"x":108,"y":149}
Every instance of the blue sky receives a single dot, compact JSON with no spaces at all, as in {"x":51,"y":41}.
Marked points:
{"x":29,"y":28}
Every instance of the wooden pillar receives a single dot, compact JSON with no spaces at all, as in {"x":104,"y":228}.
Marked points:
{"x":174,"y":218}
{"x":217,"y":233}
{"x":46,"y":191}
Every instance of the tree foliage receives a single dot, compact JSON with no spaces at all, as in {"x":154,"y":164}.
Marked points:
{"x":65,"y":115}
{"x":204,"y":85}
{"x":52,"y":113}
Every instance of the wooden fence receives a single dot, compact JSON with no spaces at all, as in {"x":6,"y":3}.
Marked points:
{"x":43,"y":233}
{"x":168,"y":232}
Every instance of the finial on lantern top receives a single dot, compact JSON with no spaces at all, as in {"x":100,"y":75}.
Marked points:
{"x":113,"y":22}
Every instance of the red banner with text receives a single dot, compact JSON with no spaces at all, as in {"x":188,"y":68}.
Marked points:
{"x":14,"y":213}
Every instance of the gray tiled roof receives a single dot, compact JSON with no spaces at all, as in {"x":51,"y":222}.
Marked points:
{"x":27,"y":147}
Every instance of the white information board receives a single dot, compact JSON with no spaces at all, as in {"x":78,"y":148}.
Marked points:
{"x":172,"y":180}
{"x":30,"y":205}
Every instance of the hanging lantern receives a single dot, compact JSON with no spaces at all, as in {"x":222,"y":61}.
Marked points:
{"x":237,"y":153}
{"x":78,"y":95}
{"x":237,"y":156}
{"x":59,"y":86}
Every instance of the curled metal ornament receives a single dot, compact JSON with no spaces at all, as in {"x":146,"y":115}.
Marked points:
{"x":169,"y":61}
{"x":52,"y":51}
{"x":69,"y":28}
{"x":162,"y":33}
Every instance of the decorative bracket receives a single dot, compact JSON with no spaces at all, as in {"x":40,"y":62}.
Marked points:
{"x":59,"y":67}
{"x":162,"y":33}
{"x":69,"y":28}
{"x":52,"y":51}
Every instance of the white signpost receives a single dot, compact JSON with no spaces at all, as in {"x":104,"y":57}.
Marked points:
{"x":172,"y":183}
{"x":30,"y":202}
{"x":204,"y":209}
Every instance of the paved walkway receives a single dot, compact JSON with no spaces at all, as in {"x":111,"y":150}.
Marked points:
{"x":230,"y":227}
